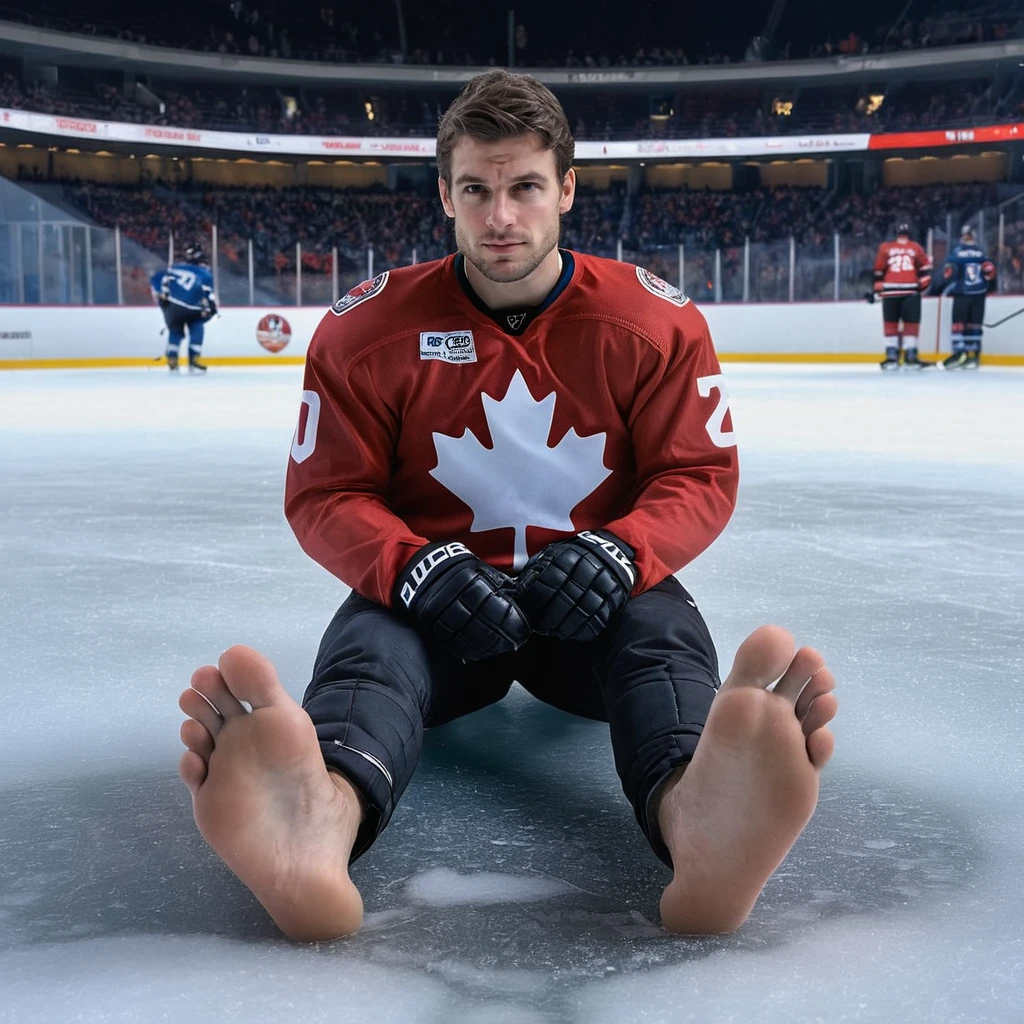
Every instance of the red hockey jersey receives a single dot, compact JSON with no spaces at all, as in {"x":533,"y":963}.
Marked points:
{"x":423,"y":419}
{"x":901,"y":268}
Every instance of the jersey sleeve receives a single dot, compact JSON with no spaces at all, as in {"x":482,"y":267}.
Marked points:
{"x":686,"y":461}
{"x":881,"y":261}
{"x":338,"y":473}
{"x":923,"y":263}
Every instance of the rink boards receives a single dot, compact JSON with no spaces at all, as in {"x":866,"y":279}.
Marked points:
{"x":33,"y":337}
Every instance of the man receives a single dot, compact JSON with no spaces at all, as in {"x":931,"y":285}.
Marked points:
{"x":184,"y":292}
{"x":902,"y":272}
{"x":507,"y":454}
{"x":967,"y":274}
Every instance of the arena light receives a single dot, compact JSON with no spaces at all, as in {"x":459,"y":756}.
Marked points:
{"x":871,"y":103}
{"x":659,"y":107}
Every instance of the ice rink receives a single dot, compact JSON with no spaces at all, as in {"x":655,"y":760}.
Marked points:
{"x":881,"y":519}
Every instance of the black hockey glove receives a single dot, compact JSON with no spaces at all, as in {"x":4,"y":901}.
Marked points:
{"x":572,"y":588}
{"x":869,"y":298}
{"x":458,"y":599}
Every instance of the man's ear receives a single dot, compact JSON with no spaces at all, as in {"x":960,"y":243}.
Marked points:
{"x":446,"y":199}
{"x":568,"y":191}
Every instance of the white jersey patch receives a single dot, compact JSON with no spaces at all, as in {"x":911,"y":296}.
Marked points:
{"x":361,"y":293}
{"x":656,"y":286}
{"x":448,"y":346}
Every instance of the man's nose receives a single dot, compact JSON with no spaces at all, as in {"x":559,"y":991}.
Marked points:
{"x":501,"y":214}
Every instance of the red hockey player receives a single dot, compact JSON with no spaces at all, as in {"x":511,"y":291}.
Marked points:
{"x":507,"y":455}
{"x":903,"y":270}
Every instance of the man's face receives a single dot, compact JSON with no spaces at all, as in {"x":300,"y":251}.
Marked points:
{"x":506,"y":199}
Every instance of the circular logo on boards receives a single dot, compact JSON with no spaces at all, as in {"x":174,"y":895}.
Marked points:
{"x":273,"y":332}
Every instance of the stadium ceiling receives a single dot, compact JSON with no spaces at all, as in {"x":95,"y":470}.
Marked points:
{"x":46,"y":46}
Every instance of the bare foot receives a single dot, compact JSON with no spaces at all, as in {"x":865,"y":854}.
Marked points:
{"x":264,"y":800}
{"x":731,"y":817}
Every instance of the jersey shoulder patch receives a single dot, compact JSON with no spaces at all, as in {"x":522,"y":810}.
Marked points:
{"x":361,"y":293}
{"x":656,"y":286}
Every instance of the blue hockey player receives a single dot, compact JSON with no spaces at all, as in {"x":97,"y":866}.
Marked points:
{"x":184,"y":292}
{"x":968,"y":275}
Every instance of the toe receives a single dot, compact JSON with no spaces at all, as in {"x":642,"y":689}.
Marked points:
{"x":199,"y":707}
{"x":192,"y":769}
{"x":250,"y":676}
{"x":820,"y":712}
{"x":820,"y":683}
{"x":209,"y":682}
{"x":197,"y":738}
{"x":820,"y":745}
{"x":761,"y":658}
{"x":806,"y":665}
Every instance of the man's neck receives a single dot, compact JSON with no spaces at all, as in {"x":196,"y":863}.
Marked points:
{"x":531,"y":291}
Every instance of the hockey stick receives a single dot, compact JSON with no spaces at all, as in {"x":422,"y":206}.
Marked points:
{"x":157,"y":359}
{"x":163,"y":331}
{"x":1005,"y":318}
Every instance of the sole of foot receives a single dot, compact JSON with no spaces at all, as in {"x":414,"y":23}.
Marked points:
{"x":264,"y":800}
{"x":732,"y":816}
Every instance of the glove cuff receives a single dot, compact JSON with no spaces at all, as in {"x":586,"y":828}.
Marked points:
{"x":429,"y":564}
{"x":615,"y":552}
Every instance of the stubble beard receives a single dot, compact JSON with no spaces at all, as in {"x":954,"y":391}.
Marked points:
{"x":506,"y":272}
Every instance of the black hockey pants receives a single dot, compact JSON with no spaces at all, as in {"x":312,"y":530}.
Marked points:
{"x":377,"y":684}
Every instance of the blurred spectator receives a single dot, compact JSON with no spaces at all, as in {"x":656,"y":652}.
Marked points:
{"x":726,"y":113}
{"x":396,"y":222}
{"x":440,"y":33}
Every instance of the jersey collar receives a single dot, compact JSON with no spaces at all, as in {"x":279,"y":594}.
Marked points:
{"x":515,"y":321}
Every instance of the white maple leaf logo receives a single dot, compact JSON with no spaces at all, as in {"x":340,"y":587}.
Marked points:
{"x":521,"y":481}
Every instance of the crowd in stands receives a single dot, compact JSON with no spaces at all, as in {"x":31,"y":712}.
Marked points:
{"x":396,"y":222}
{"x":981,"y":23}
{"x":694,"y":114}
{"x":441,"y":34}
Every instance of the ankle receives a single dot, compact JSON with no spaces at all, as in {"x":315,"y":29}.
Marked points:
{"x":352,"y":798}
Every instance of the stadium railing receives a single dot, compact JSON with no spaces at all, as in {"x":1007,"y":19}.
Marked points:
{"x":69,"y":263}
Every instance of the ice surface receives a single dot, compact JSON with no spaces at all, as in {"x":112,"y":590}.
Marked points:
{"x":880,"y":518}
{"x":440,"y":887}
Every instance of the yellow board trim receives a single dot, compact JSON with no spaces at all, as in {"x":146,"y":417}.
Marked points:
{"x":116,"y":361}
{"x":725,"y":357}
{"x":850,"y":357}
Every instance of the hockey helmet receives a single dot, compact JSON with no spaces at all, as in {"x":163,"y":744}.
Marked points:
{"x":967,"y":232}
{"x":195,"y":253}
{"x":903,"y":228}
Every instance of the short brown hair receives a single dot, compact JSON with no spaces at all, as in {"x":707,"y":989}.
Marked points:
{"x":501,"y":105}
